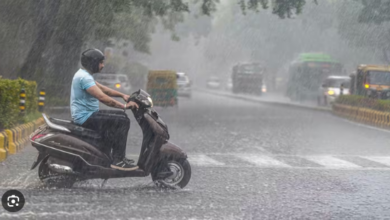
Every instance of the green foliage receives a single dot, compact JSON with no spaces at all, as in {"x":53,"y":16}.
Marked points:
{"x":18,"y":29}
{"x":374,"y":11}
{"x":31,"y":95}
{"x":282,"y":8}
{"x":353,"y":100}
{"x":364,"y":23}
{"x":30,"y":117}
{"x":9,"y":102}
{"x":364,"y":102}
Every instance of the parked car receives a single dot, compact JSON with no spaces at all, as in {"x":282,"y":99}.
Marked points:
{"x":183,"y":85}
{"x":330,"y":89}
{"x":213,"y":83}
{"x":118,"y":82}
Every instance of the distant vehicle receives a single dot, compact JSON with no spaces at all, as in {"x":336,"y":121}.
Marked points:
{"x":213,"y":83}
{"x":162,"y":86}
{"x":308,"y":72}
{"x":118,"y":82}
{"x":248,"y":78}
{"x":330,"y":89}
{"x":183,"y":85}
{"x":264,"y":88}
{"x":372,"y":81}
{"x":229,"y":84}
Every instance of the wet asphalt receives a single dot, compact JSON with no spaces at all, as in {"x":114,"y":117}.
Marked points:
{"x":249,"y":161}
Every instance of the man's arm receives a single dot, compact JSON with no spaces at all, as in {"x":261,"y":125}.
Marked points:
{"x":96,"y":92}
{"x":108,"y":91}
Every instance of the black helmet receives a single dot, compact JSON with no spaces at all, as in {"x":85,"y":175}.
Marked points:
{"x":90,"y":60}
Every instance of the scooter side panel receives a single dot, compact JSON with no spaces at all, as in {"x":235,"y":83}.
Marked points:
{"x":61,"y":144}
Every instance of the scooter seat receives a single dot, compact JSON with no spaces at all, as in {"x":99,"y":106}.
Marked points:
{"x":85,"y":134}
{"x":74,"y":128}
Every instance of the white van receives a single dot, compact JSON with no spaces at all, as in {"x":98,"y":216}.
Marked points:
{"x":183,"y":85}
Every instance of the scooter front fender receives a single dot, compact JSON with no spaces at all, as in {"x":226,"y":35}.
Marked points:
{"x":171,"y":150}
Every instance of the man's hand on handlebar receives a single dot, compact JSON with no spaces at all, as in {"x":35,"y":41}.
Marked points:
{"x":125,"y":97}
{"x":132,"y":105}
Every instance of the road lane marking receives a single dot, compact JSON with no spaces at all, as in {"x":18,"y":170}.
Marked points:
{"x":379,"y":159}
{"x":203,"y":160}
{"x":262,"y":161}
{"x":282,"y":155}
{"x":332,"y":162}
{"x":326,"y":162}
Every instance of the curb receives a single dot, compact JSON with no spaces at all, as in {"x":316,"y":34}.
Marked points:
{"x":3,"y":146}
{"x":363,"y":115}
{"x":252,"y":99}
{"x":15,"y":139}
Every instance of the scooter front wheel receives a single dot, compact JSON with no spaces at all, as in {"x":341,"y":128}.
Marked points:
{"x":181,"y":170}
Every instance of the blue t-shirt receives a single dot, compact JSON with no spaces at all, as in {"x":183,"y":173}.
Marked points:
{"x":82,"y":104}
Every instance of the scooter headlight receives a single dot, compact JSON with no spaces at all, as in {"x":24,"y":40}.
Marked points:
{"x":151,"y":101}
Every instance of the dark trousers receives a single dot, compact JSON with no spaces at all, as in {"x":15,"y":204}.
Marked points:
{"x":113,"y":126}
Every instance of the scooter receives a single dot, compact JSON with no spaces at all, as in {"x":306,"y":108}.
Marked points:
{"x":70,"y":153}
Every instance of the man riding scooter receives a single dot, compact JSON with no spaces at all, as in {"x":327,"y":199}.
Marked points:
{"x":112,"y":125}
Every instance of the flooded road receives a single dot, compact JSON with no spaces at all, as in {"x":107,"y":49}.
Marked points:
{"x":249,"y":161}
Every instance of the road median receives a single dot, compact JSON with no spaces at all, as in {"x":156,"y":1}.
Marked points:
{"x":13,"y":140}
{"x":363,"y":115}
{"x":263,"y":100}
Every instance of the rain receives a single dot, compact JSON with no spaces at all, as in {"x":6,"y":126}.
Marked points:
{"x":233,"y":109}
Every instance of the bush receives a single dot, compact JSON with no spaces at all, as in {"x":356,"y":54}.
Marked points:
{"x":364,"y":102}
{"x":9,"y":102}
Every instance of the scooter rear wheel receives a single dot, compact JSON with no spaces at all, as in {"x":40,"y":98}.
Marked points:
{"x":181,"y":170}
{"x":53,"y":179}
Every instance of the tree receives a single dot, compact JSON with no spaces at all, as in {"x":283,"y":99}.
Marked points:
{"x":16,"y":33}
{"x":62,"y":28}
{"x":366,"y":24}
